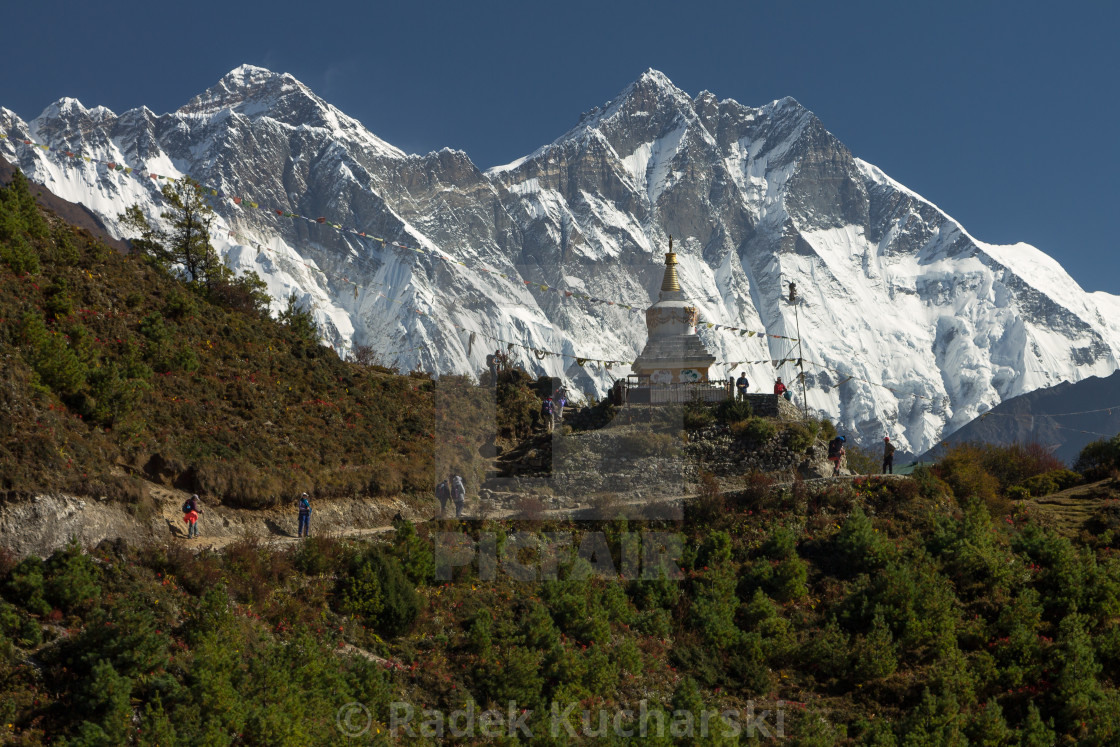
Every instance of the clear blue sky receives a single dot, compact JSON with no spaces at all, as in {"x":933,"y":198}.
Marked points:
{"x":1004,"y":114}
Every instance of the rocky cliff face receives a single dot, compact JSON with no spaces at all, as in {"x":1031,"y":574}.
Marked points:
{"x":909,"y":326}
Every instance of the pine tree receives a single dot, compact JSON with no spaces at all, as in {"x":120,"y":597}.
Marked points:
{"x":186,"y":244}
{"x":20,"y":222}
{"x":189,"y":238}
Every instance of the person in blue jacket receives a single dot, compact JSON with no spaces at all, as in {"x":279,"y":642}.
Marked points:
{"x":304,"y":504}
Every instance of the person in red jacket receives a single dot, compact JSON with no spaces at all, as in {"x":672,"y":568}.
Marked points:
{"x":780,"y":389}
{"x":190,"y":515}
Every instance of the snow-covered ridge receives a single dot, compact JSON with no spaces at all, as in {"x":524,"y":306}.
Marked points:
{"x":911,"y":326}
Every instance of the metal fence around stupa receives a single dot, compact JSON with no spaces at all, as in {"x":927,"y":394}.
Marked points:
{"x":663,"y":394}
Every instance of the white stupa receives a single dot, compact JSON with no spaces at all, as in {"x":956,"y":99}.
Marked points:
{"x":674,"y":353}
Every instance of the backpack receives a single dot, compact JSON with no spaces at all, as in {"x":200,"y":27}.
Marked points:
{"x":546,"y":407}
{"x":834,"y":446}
{"x":304,"y":506}
{"x":187,"y":506}
{"x":443,"y":491}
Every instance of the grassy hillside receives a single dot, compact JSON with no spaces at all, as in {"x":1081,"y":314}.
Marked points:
{"x":111,"y":366}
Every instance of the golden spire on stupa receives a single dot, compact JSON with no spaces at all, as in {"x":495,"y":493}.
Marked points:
{"x":670,"y":282}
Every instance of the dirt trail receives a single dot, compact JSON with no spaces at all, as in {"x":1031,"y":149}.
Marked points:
{"x":45,"y":523}
{"x":42,"y":524}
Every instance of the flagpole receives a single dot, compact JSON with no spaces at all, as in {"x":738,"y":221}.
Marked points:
{"x":795,"y":302}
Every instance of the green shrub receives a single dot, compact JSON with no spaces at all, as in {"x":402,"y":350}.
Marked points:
{"x":20,"y":225}
{"x":800,"y":436}
{"x":826,"y":653}
{"x":377,"y":589}
{"x":1076,"y":690}
{"x":18,"y":627}
{"x":731,"y":411}
{"x":1048,"y":482}
{"x":713,"y":609}
{"x":537,"y":630}
{"x":654,"y":622}
{"x":414,"y":553}
{"x":760,"y":616}
{"x":930,"y":486}
{"x":1062,"y":571}
{"x":26,"y":586}
{"x":1099,"y":458}
{"x":71,"y":579}
{"x":754,"y":432}
{"x":697,"y":416}
{"x":152,"y":327}
{"x":63,"y":251}
{"x":318,"y":555}
{"x":714,"y":550}
{"x":57,"y":365}
{"x":780,"y":572}
{"x":18,"y":254}
{"x":179,"y":303}
{"x":873,"y":655}
{"x":58,"y":303}
{"x":858,"y":546}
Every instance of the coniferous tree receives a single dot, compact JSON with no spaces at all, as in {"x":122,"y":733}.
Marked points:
{"x":185,"y":245}
{"x":186,"y":242}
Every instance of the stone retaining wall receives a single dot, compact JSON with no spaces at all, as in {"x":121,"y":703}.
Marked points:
{"x":773,"y":406}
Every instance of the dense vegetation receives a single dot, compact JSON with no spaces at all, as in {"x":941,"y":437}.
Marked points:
{"x":877,"y":612}
{"x":116,"y":365}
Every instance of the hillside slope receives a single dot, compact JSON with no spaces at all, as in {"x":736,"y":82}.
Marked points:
{"x":109,"y":364}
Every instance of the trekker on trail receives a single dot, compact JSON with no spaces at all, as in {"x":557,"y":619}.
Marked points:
{"x":190,"y":515}
{"x":546,"y":414}
{"x":304,"y":504}
{"x":443,"y":494}
{"x":836,"y":453}
{"x":492,"y":364}
{"x":561,"y":401}
{"x":459,"y":494}
{"x":780,"y":388}
{"x":888,"y":456}
{"x":741,"y":384}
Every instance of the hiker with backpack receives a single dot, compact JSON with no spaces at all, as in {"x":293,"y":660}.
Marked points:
{"x":561,"y":401}
{"x":458,"y":494}
{"x":836,"y":453}
{"x":443,"y":495}
{"x":304,"y":504}
{"x":191,"y":511}
{"x":546,"y":414}
{"x":888,"y":456}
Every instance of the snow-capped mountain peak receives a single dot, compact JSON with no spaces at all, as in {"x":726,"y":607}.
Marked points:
{"x":909,"y":326}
